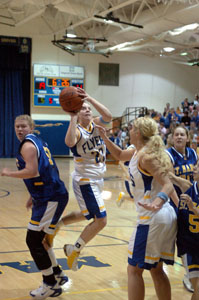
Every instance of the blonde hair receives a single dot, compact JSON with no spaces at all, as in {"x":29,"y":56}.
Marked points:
{"x":26,"y":118}
{"x":155,"y":147}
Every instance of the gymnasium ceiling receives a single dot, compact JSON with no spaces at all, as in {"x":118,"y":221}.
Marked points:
{"x":165,"y":24}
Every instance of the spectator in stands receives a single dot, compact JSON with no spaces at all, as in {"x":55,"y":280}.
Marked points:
{"x":195,"y":117}
{"x":117,"y":140}
{"x":124,"y":135}
{"x":194,"y":146}
{"x":172,"y":116}
{"x":129,"y":126}
{"x":185,"y":105}
{"x":167,"y":108}
{"x":178,"y":110}
{"x":162,"y":129}
{"x":186,"y":120}
{"x":196,"y":100}
{"x":111,"y":137}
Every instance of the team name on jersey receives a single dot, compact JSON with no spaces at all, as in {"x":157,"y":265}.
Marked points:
{"x":92,"y":143}
{"x":184,"y":169}
{"x":184,"y":206}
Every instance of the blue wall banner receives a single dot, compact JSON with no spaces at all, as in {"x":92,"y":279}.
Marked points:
{"x":53,"y":132}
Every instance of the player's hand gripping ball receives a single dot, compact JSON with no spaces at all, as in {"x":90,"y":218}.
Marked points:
{"x":70,"y":100}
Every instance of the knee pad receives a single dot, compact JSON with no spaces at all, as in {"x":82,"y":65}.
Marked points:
{"x":39,"y":254}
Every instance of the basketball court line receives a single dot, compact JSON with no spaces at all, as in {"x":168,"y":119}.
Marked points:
{"x":96,"y":290}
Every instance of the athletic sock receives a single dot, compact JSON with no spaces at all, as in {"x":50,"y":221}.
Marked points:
{"x":57,"y":270}
{"x":79,"y":245}
{"x":49,"y":280}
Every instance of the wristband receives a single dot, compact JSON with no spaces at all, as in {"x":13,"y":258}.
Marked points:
{"x":163,"y":196}
{"x":102,"y":121}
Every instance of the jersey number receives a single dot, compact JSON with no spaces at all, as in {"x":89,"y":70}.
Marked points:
{"x":48,"y":154}
{"x":99,"y":155}
{"x":194,"y":223}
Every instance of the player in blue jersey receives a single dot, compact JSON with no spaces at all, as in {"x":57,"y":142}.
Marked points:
{"x":188,"y":232}
{"x":183,"y":160}
{"x":153,"y":240}
{"x":48,"y":198}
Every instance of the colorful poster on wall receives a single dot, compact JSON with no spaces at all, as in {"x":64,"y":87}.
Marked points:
{"x":49,"y":80}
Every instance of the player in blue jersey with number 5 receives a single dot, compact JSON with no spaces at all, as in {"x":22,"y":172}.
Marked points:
{"x":183,"y":159}
{"x":48,"y":198}
{"x":188,"y":232}
{"x":89,"y":153}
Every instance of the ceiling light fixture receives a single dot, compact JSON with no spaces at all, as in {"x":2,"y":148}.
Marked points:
{"x":168,"y":49}
{"x":110,"y":17}
{"x":183,"y":53}
{"x":185,"y":28}
{"x":71,"y":33}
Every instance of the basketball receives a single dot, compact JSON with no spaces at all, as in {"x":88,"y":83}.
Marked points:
{"x":69,"y":99}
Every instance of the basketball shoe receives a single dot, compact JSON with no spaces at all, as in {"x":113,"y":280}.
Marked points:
{"x":72,"y":255}
{"x":187,"y":284}
{"x":61,"y":278}
{"x":45,"y":291}
{"x":120,"y":199}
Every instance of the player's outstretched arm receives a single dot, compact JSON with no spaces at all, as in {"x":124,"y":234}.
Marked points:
{"x":182,"y":183}
{"x":117,"y":152}
{"x":71,"y":134}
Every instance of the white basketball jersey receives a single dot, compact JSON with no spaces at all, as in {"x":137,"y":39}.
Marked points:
{"x":89,"y":153}
{"x":145,"y":189}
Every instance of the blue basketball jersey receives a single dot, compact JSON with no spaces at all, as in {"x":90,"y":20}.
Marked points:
{"x":47,"y":185}
{"x":188,"y":224}
{"x":183,"y":166}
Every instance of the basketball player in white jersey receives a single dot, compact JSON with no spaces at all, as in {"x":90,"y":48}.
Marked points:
{"x":153,"y":240}
{"x":89,"y":153}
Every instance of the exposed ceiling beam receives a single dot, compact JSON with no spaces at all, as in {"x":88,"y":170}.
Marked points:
{"x":30,"y":17}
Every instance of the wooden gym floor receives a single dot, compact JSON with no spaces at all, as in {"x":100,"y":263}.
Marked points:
{"x":103,"y":262}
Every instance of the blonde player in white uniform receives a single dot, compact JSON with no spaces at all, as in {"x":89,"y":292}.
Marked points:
{"x":153,"y":240}
{"x":89,"y":153}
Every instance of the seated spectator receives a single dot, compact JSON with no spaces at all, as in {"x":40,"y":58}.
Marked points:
{"x":195,"y":117}
{"x":117,"y":140}
{"x":194,"y":146}
{"x":162,"y":129}
{"x":178,"y":110}
{"x":111,"y":137}
{"x":126,"y":142}
{"x":196,"y":100}
{"x":129,"y":126}
{"x":185,"y":105}
{"x":167,"y":108}
{"x":153,"y":113}
{"x":124,"y":134}
{"x":172,"y":116}
{"x":169,"y":141}
{"x":186,"y":120}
